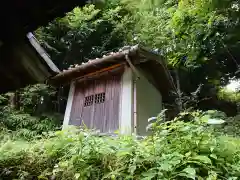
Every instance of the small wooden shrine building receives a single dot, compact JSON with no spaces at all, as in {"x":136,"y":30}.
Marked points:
{"x":119,"y":91}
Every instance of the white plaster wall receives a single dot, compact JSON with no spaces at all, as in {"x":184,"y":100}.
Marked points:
{"x":149,"y":103}
{"x":69,"y":105}
{"x":126,"y":102}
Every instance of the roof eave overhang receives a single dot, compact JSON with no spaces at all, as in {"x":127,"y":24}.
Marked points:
{"x":137,"y":54}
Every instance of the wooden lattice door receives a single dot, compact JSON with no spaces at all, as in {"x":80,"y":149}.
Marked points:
{"x":96,"y":103}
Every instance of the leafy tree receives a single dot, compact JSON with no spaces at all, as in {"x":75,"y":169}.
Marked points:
{"x":84,"y":33}
{"x":199,"y":38}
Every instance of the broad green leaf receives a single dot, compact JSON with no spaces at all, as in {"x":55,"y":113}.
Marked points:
{"x":188,"y":154}
{"x":203,"y":159}
{"x":77,"y":175}
{"x":166,"y":167}
{"x":163,"y":132}
{"x":123,"y":153}
{"x":232,"y":178}
{"x":212,"y":176}
{"x":213,"y":156}
{"x":211,"y":112}
{"x":211,"y":149}
{"x":215,"y":121}
{"x":132,"y":168}
{"x":185,"y":128}
{"x":149,"y":175}
{"x":188,"y":172}
{"x":205,"y":118}
{"x":113,"y":177}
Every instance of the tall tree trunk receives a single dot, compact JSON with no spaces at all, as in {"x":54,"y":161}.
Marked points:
{"x":180,"y":106}
{"x":14,"y":100}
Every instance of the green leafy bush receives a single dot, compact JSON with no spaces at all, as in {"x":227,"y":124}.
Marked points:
{"x":177,"y":149}
{"x":18,"y":124}
{"x":35,"y":97}
{"x":231,"y":127}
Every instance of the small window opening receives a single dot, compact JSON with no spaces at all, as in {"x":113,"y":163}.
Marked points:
{"x":99,"y":98}
{"x":88,"y":101}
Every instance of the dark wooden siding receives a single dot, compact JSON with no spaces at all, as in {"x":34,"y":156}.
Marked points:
{"x":100,"y":116}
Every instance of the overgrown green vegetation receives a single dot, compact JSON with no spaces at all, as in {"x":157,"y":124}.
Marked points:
{"x":198,"y":38}
{"x":19,"y":125}
{"x":27,"y":113}
{"x":185,"y":148}
{"x":233,"y":96}
{"x":84,"y":33}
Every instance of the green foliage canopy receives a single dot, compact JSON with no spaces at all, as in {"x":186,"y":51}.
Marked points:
{"x":198,"y":37}
{"x":84,"y":33}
